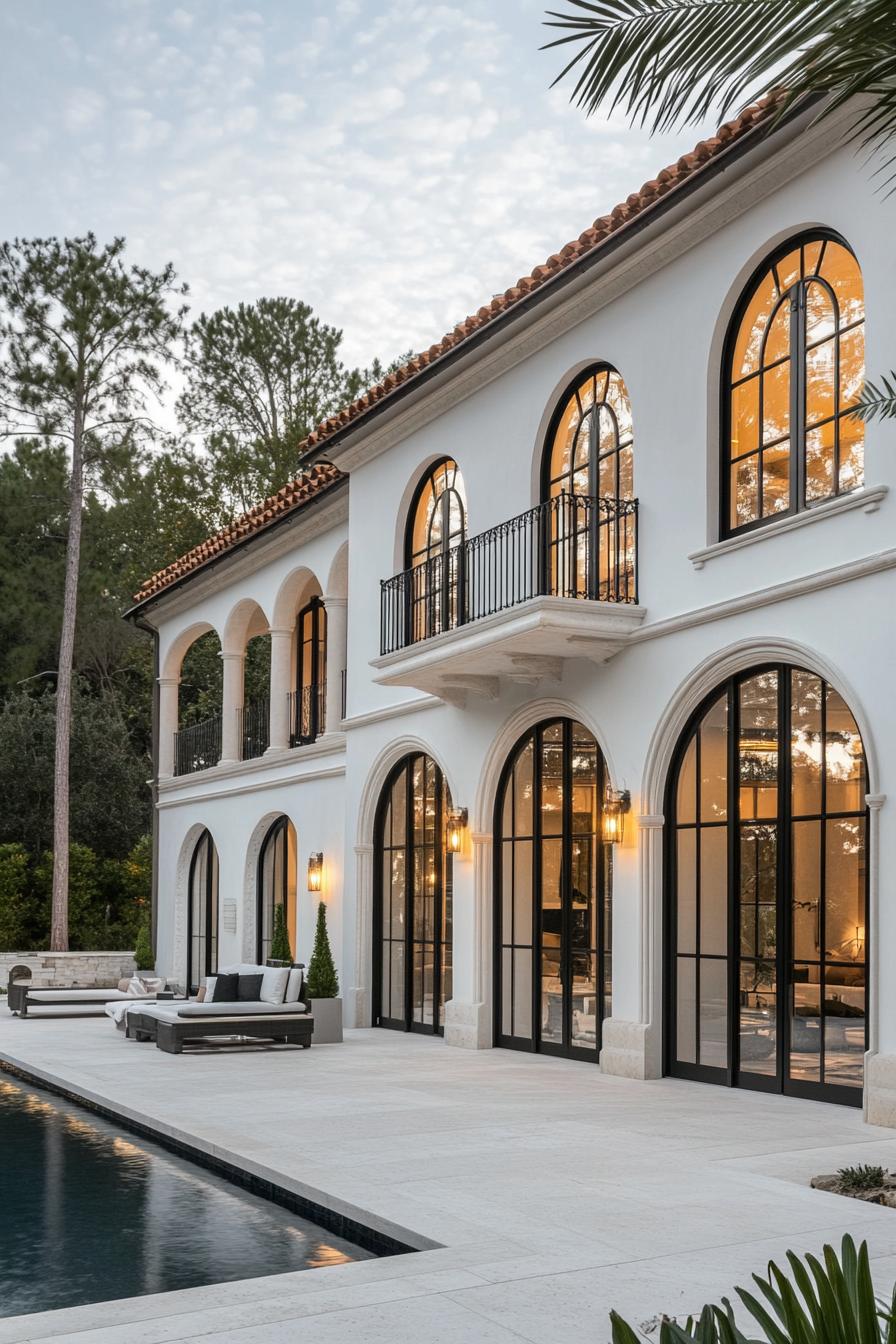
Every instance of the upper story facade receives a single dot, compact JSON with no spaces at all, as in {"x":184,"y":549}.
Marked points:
{"x":652,"y":428}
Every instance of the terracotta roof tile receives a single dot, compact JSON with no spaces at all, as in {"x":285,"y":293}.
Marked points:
{"x":319,"y":477}
{"x":311,"y":483}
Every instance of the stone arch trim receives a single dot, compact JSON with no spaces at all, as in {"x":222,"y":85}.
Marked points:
{"x":377,"y":775}
{"x":250,"y":880}
{"x":181,"y":953}
{"x":519,"y":722}
{"x":690,"y":694}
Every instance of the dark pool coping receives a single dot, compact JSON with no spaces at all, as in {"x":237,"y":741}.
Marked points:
{"x":379,"y":1241}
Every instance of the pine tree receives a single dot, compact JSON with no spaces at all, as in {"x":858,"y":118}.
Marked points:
{"x":323,"y":982}
{"x":280,"y":948}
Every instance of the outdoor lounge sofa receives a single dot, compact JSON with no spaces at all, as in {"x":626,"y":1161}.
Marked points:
{"x":22,"y":995}
{"x":176,"y":1023}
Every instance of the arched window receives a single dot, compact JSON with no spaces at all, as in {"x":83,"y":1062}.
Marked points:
{"x":413,"y":899}
{"x":309,"y":717}
{"x":202,"y":911}
{"x":766,"y":890}
{"x":794,"y":365}
{"x":434,"y":552}
{"x":553,"y":889}
{"x":276,"y":885}
{"x":588,"y":491}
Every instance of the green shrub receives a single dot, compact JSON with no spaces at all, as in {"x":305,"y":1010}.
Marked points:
{"x":861,"y":1178}
{"x":16,"y":915}
{"x":143,"y":953}
{"x":323,"y":982}
{"x":280,"y":948}
{"x":829,"y":1301}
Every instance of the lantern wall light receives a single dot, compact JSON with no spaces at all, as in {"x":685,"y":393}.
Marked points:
{"x":455,"y":825}
{"x":315,"y":871}
{"x":616,"y":803}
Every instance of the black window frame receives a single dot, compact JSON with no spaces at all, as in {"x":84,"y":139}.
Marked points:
{"x":211,"y":903}
{"x":797,"y":359}
{"x":277,"y":832}
{"x":309,"y":721}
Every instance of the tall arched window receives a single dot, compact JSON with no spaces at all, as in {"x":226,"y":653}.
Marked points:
{"x":309,"y":718}
{"x":588,"y":489}
{"x":766,"y":890}
{"x":434,"y":552}
{"x":553,"y":889}
{"x":276,"y":885}
{"x":794,"y":366}
{"x":202,"y":911}
{"x":413,"y":898}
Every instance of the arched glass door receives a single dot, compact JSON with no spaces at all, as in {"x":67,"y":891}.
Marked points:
{"x":766,"y":890}
{"x":276,"y":885}
{"x":202,"y":910}
{"x":553,"y":889}
{"x":412,"y":916}
{"x":434,"y":553}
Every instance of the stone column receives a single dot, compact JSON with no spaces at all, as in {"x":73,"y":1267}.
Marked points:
{"x":232,"y":701}
{"x":337,"y":627}
{"x":282,"y":642}
{"x":168,"y":693}
{"x":468,"y":1018}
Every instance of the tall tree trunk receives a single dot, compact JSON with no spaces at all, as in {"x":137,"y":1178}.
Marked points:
{"x":59,"y":918}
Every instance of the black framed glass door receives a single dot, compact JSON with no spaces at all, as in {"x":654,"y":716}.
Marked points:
{"x":553,"y":895}
{"x":202,"y":911}
{"x":766,"y":879}
{"x":412,"y":936}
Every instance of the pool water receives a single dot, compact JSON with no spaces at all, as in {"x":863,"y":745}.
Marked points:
{"x":92,"y":1213}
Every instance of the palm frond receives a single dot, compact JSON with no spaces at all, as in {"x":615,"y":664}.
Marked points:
{"x":668,"y":63}
{"x":878,"y":400}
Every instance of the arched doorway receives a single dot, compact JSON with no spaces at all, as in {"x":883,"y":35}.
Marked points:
{"x":276,"y":885}
{"x":553,"y":894}
{"x":412,"y":899}
{"x":202,"y":911}
{"x":766,"y":890}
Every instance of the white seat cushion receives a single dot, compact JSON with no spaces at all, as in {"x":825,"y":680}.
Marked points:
{"x":78,"y":995}
{"x":239,"y":1009}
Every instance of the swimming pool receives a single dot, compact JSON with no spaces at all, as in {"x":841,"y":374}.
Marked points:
{"x":92,"y":1213}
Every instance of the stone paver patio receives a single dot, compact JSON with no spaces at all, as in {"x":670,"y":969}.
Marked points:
{"x":552,"y":1191}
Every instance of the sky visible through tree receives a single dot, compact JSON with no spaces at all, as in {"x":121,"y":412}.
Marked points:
{"x":392,"y":162}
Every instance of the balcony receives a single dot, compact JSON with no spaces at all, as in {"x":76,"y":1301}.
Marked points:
{"x":198,"y":747}
{"x":557,"y":582}
{"x":307,"y":714}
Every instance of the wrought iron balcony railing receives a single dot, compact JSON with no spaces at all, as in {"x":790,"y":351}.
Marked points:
{"x":198,"y":747}
{"x":255,"y":728}
{"x":574,"y":546}
{"x":307,"y":714}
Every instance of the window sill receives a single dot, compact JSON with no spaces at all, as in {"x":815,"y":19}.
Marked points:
{"x":869,"y":500}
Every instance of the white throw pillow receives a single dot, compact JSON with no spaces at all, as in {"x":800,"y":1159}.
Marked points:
{"x":136,"y":988}
{"x":210,"y":987}
{"x":294,"y":985}
{"x":273,"y":984}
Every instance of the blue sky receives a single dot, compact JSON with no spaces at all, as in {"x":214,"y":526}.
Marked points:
{"x":392,"y":162}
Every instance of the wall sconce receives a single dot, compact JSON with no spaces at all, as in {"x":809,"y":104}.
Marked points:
{"x":616,"y":803}
{"x":455,"y":825}
{"x":315,"y":871}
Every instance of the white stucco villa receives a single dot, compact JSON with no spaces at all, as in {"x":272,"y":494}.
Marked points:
{"x":581,"y":707}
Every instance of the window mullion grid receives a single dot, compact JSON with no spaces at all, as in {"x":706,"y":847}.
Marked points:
{"x":784,"y":881}
{"x":734,"y":828}
{"x":537,"y":883}
{"x":798,"y":378}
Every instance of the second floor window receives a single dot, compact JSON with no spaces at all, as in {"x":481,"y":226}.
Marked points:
{"x":794,"y":366}
{"x":311,"y":672}
{"x":433,"y":550}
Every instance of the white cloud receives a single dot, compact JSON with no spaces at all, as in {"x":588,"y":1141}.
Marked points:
{"x":287,"y":106}
{"x":83,"y":109}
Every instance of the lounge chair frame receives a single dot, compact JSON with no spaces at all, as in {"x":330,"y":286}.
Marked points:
{"x":172,"y":1035}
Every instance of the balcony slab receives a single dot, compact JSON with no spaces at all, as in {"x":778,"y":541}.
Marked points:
{"x":527,"y":644}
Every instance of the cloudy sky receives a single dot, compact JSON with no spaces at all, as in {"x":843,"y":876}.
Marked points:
{"x":392,"y":162}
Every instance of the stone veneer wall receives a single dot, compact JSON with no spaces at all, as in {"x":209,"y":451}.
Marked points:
{"x":90,"y":969}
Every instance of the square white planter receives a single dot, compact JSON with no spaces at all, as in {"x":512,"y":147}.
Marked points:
{"x":327,"y":1014}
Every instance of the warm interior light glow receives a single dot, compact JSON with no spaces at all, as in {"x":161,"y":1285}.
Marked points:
{"x":315,"y":871}
{"x":616,"y":803}
{"x":455,"y":825}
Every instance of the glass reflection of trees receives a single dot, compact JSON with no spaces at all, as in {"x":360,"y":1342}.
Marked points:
{"x":795,"y":366}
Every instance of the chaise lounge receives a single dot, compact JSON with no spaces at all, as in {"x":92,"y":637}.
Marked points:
{"x":280,"y":1013}
{"x":22,"y":995}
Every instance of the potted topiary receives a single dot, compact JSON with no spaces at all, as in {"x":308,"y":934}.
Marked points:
{"x":143,"y":953}
{"x":323,"y":986}
{"x":281,"y":952}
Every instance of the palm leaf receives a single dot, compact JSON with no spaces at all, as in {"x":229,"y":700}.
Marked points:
{"x":878,"y":400}
{"x":668,"y":63}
